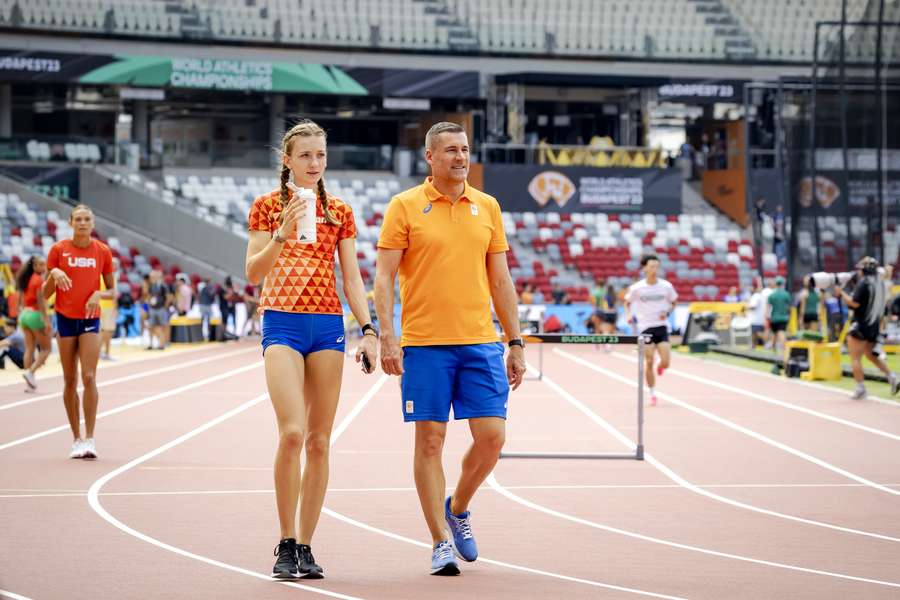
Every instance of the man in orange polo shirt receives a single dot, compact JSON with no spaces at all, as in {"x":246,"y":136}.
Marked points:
{"x":446,"y":240}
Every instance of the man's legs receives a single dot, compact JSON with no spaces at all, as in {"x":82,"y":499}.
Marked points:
{"x":649,"y":373}
{"x":429,"y":475}
{"x":488,"y":436}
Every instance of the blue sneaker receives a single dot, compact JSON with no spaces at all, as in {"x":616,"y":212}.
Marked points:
{"x":442,"y":562}
{"x":461,"y":529}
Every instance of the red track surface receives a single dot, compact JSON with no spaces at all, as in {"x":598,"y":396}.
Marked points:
{"x":196,"y":518}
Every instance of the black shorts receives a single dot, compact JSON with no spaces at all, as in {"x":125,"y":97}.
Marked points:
{"x":657,"y":335}
{"x":67,"y":327}
{"x":865,"y":332}
{"x":777,"y":326}
{"x":810,"y":318}
{"x":608,"y":317}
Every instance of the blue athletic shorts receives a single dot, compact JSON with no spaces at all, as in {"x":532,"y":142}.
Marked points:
{"x":67,"y":327}
{"x":471,"y":378}
{"x":306,"y":333}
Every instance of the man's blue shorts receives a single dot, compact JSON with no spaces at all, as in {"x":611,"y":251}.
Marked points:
{"x":304,"y":332}
{"x":471,"y":378}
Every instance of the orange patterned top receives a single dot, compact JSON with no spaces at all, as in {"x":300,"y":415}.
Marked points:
{"x":302,"y":280}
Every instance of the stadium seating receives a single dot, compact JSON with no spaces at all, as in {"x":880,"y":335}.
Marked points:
{"x":780,"y":30}
{"x":26,"y":231}
{"x":785,"y":29}
{"x":703,"y":254}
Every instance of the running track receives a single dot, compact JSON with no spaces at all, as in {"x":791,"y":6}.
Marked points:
{"x":753,"y":487}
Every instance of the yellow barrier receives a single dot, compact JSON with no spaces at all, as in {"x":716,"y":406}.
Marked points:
{"x":824,"y":359}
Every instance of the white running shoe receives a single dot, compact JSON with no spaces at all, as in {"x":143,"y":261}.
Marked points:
{"x":30,"y":380}
{"x":90,"y":448}
{"x":859,"y":394}
{"x":77,"y":449}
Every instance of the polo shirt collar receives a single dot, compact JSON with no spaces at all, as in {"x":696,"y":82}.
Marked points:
{"x":434,"y":195}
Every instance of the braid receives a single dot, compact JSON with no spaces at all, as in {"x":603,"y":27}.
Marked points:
{"x":323,"y":200}
{"x":284,"y":195}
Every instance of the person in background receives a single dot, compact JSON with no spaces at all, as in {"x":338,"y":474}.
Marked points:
{"x":527,"y":295}
{"x":159,"y":298}
{"x":778,"y":233}
{"x":228,"y":297}
{"x":650,"y":302}
{"x":75,"y":267}
{"x":779,"y":303}
{"x":809,"y":306}
{"x":732,"y":296}
{"x":12,"y":346}
{"x":251,"y":301}
{"x":127,"y":315}
{"x":206,"y":297}
{"x":559,"y":295}
{"x":184,"y":295}
{"x":757,"y":305}
{"x":834,"y":315}
{"x":33,"y":319}
{"x":109,"y":316}
{"x":144,"y":304}
{"x":867,"y":302}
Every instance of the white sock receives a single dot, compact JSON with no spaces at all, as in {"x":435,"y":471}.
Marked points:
{"x":860,"y":387}
{"x":652,"y":391}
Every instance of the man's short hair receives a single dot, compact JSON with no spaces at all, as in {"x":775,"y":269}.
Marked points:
{"x":647,"y":258}
{"x":439,"y":128}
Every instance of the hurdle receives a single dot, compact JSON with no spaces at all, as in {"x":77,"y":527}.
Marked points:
{"x":621,"y":340}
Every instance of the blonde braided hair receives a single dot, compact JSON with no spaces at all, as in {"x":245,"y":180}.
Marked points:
{"x":304,"y":128}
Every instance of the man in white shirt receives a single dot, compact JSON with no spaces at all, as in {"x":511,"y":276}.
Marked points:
{"x":759,"y":302}
{"x":649,"y":302}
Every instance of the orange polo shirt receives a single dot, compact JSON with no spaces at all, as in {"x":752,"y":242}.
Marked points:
{"x":444,"y":291}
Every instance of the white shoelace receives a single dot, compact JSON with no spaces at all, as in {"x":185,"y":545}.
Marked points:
{"x":444,"y":550}
{"x":464,"y":527}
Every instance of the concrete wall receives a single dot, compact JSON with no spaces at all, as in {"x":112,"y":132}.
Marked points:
{"x":191,"y":237}
{"x":108,"y":227}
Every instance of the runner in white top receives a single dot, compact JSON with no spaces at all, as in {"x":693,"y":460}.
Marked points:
{"x":649,"y":302}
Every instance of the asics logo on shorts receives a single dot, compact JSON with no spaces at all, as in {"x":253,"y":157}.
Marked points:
{"x":339,"y":340}
{"x":81,"y":261}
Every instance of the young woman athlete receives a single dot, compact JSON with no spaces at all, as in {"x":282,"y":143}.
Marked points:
{"x":33,"y":317}
{"x":76,"y":266}
{"x":303,"y":333}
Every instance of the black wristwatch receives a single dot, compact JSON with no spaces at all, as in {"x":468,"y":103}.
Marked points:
{"x":369,"y":327}
{"x":516,"y":342}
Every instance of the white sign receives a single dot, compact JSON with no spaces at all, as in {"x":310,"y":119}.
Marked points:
{"x":142,"y":94}
{"x":221,"y":74}
{"x":406,"y":103}
{"x":624,"y":192}
{"x":697,"y":90}
{"x":25,"y":63}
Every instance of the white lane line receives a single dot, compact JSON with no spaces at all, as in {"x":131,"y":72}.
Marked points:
{"x":95,"y":504}
{"x":690,"y":486}
{"x":336,"y":515}
{"x":137,"y":403}
{"x":770,"y":400}
{"x":492,"y":481}
{"x":132,"y":377}
{"x":649,"y":486}
{"x":489,"y":561}
{"x":732,"y":425}
{"x":124,"y":363}
{"x":94,"y":493}
{"x":794,"y":381}
{"x":5,"y":594}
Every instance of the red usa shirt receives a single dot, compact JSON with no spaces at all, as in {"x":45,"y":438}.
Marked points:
{"x":84,"y":266}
